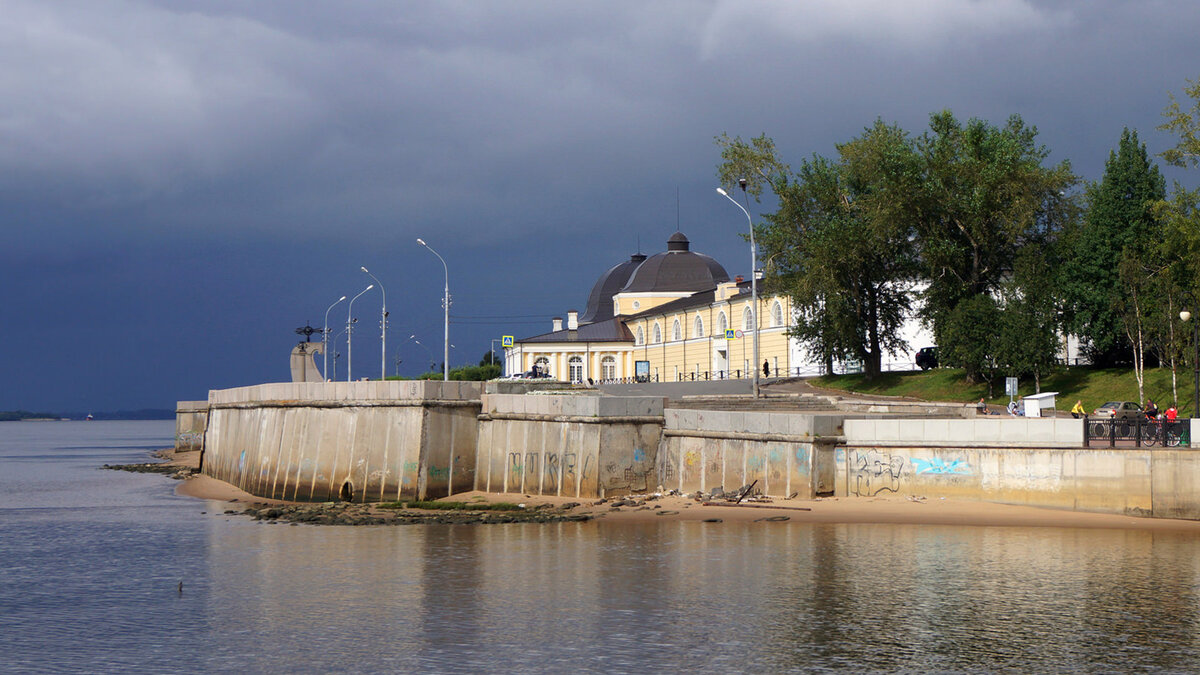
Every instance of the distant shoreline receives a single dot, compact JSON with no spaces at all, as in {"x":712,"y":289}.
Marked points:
{"x":143,"y":415}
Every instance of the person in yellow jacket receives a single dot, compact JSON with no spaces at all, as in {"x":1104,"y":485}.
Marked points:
{"x":1078,"y":410}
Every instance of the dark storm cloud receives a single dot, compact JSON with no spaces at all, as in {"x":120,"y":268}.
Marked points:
{"x":256,"y":153}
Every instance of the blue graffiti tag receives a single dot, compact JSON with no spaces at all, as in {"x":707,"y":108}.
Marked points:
{"x":937,"y":465}
{"x":639,"y":455}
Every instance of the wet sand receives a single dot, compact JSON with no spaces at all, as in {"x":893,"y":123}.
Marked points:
{"x":641,"y":508}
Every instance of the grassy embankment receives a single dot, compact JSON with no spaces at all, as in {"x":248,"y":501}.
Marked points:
{"x":1093,"y":386}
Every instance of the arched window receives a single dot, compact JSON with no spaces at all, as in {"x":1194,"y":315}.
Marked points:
{"x":608,"y":368}
{"x":641,"y":337}
{"x":575,"y":365}
{"x":777,"y":314}
{"x":698,"y":329}
{"x":657,"y":334}
{"x":676,"y":331}
{"x":747,"y":319}
{"x":722,"y":324}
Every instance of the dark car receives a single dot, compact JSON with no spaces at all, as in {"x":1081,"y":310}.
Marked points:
{"x":1120,"y":410}
{"x":927,"y":358}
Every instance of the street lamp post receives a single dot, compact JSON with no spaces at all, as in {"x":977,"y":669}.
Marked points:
{"x":382,"y":328}
{"x":432,"y":363}
{"x":445,"y":314}
{"x":1186,"y":316}
{"x":325,"y":341}
{"x":350,"y":331}
{"x":753,"y":283}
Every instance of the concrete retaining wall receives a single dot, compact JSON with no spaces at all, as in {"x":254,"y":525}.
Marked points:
{"x":364,"y":441}
{"x":568,"y":445}
{"x":786,"y":453}
{"x":1128,"y":481}
{"x":191,"y":419}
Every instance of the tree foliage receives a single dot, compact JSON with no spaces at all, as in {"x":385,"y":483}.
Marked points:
{"x":832,"y":245}
{"x":983,"y":195}
{"x":969,"y":210}
{"x":1120,"y":224}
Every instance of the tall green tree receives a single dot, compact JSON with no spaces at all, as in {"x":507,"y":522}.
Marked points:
{"x":1180,"y":218}
{"x":1120,"y":225}
{"x":833,"y":245}
{"x":983,"y":194}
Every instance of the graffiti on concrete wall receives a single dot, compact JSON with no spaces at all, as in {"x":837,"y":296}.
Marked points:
{"x":552,"y":470}
{"x":531,"y":469}
{"x":189,"y":438}
{"x":938,"y":465}
{"x":515,"y":469}
{"x":872,"y":472}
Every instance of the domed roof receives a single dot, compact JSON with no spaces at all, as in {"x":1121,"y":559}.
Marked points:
{"x":678,"y":269}
{"x":600,"y":301}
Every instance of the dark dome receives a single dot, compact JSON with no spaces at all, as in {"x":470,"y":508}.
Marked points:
{"x":600,"y":301}
{"x":678,"y":269}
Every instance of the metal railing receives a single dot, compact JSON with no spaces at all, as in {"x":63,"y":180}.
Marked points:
{"x":1140,"y":432}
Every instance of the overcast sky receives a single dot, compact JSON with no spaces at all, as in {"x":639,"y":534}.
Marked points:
{"x":182,"y":184}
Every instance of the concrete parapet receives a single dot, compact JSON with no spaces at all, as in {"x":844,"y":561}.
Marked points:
{"x":374,"y":390}
{"x":571,"y":406}
{"x":976,"y":432}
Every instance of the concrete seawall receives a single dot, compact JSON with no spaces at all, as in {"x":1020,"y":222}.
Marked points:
{"x":568,"y":445}
{"x":786,"y":453}
{"x":1033,"y":462}
{"x":382,"y":441}
{"x":191,"y":420}
{"x":356,"y":441}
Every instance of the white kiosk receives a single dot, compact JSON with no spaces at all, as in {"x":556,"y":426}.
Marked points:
{"x":1037,"y":403}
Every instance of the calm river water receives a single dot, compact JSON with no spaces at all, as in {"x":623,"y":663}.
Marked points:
{"x":90,"y":563}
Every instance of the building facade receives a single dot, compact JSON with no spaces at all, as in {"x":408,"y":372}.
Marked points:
{"x":676,"y":316}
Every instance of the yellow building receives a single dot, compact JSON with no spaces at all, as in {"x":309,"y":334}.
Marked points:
{"x":672,"y":316}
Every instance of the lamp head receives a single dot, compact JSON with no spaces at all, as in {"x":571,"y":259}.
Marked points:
{"x":421,"y":241}
{"x":722,"y":192}
{"x":341,"y":298}
{"x":742,"y":182}
{"x":1185,"y":315}
{"x":364,"y":269}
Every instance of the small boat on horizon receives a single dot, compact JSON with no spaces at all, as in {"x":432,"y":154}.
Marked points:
{"x":89,"y":417}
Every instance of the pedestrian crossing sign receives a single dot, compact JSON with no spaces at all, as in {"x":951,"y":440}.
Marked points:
{"x":506,"y":341}
{"x":730,"y":335}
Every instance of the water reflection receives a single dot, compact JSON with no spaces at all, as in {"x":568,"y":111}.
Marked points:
{"x":92,"y":560}
{"x":599,"y":597}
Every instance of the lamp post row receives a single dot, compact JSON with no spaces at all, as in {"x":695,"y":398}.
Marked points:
{"x":383,"y":324}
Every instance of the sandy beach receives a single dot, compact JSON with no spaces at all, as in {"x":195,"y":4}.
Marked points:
{"x":641,"y":508}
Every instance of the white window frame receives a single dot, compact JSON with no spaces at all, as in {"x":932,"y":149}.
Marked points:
{"x":698,"y":328}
